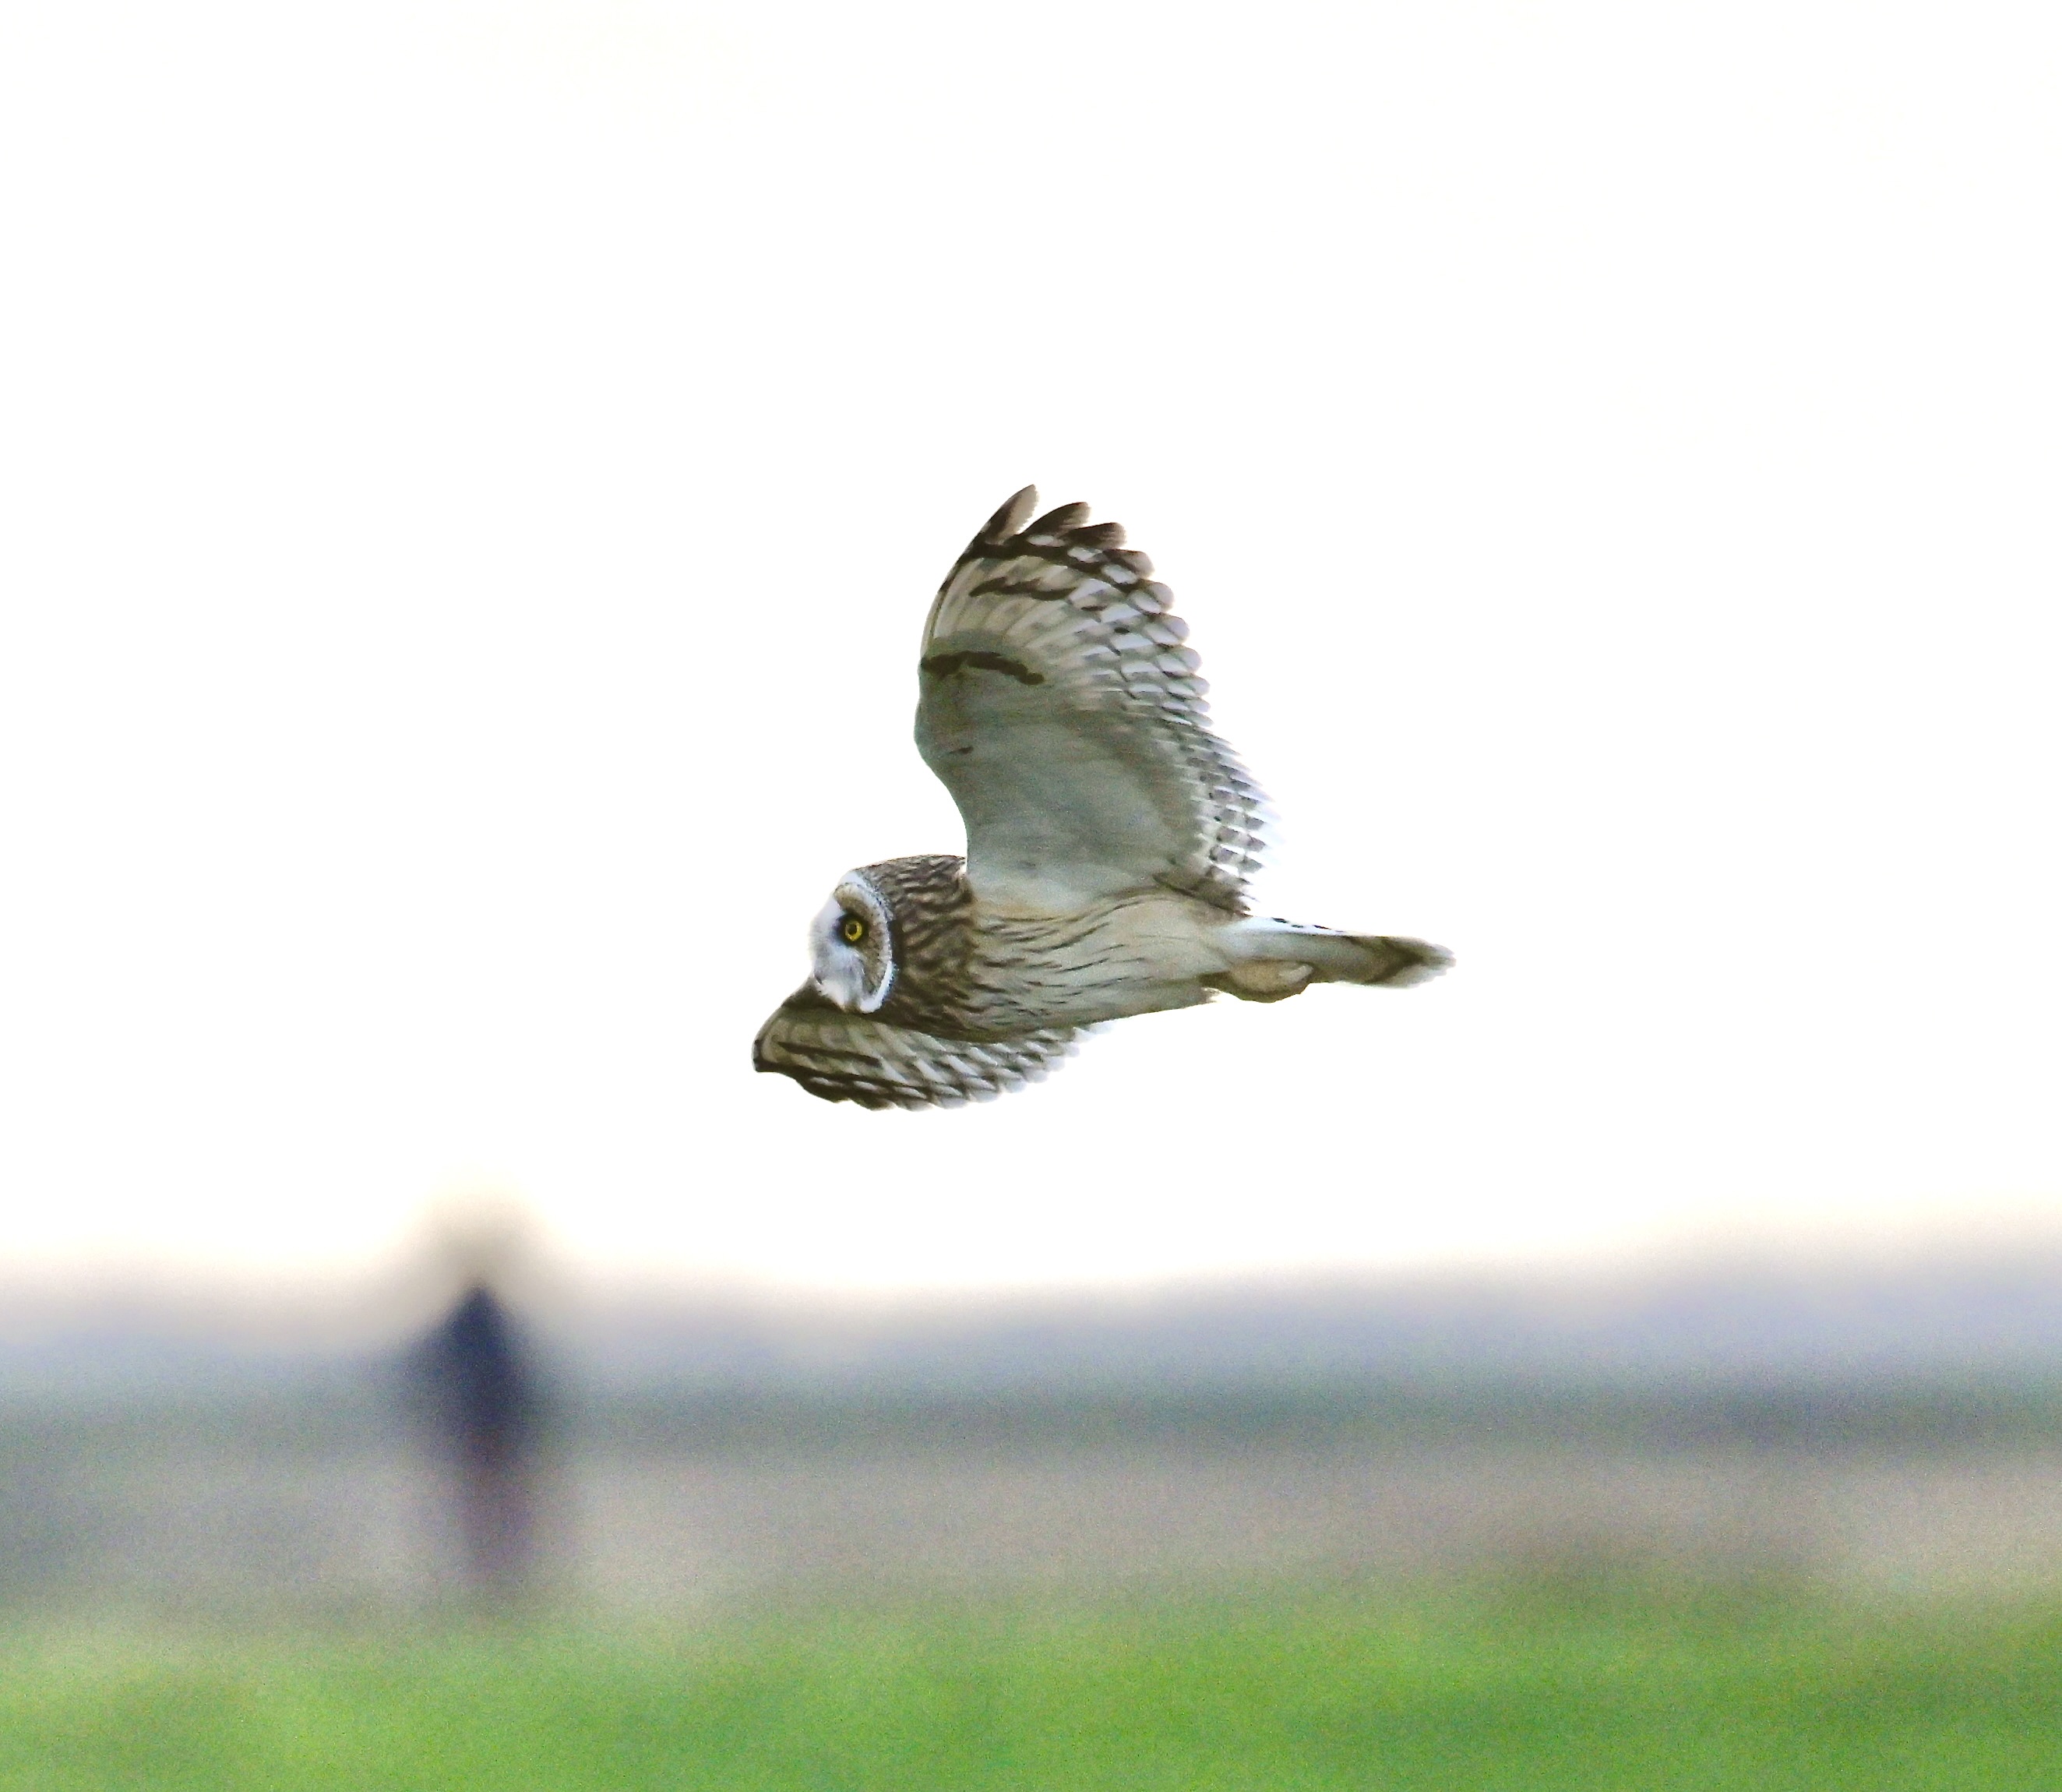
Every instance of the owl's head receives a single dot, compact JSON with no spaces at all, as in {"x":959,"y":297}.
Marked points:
{"x":852,"y":946}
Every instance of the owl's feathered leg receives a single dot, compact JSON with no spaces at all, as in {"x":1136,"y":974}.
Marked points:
{"x":1272,"y":960}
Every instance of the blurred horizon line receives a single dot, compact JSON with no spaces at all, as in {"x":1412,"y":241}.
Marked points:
{"x":1976,"y":1301}
{"x":525,"y":1254}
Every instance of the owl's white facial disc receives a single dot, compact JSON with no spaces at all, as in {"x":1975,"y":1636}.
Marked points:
{"x":851,"y":946}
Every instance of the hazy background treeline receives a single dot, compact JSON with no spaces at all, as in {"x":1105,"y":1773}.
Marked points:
{"x":1894,"y":1424}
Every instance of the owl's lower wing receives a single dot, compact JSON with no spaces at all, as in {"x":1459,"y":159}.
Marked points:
{"x":1058,"y":705}
{"x":848,"y":1057}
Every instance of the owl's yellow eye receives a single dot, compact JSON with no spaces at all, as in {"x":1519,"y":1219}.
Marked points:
{"x":854,"y":929}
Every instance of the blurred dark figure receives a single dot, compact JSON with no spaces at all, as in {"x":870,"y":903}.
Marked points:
{"x":483,"y":1398}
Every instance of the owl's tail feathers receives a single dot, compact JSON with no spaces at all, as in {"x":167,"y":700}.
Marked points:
{"x":1272,"y":960}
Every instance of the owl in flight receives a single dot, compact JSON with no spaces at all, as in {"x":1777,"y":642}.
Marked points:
{"x":1110,"y":835}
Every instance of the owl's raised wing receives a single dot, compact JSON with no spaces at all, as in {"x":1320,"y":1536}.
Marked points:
{"x":1059,"y":706}
{"x":857,"y":1058}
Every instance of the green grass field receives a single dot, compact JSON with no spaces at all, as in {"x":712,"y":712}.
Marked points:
{"x":1529,"y":1691}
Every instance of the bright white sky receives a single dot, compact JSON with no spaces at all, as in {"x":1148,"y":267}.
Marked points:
{"x":473,"y":474}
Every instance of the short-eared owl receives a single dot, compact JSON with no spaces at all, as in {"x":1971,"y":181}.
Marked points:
{"x":1109,"y":835}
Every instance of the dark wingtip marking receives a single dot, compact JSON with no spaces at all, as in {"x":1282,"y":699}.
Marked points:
{"x":1066,"y":517}
{"x":1011,"y":517}
{"x":944,"y":665}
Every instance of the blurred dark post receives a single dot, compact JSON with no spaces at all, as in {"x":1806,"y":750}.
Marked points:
{"x":484,"y":1401}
